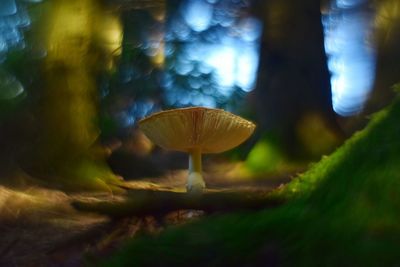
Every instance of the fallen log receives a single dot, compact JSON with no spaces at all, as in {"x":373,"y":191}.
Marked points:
{"x":159,"y":203}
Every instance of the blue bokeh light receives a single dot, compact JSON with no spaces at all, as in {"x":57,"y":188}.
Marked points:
{"x":215,"y":48}
{"x":8,"y":7}
{"x":13,"y":19}
{"x":197,"y":14}
{"x":351,"y":56}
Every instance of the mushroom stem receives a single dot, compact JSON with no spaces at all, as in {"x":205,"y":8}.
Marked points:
{"x":195,"y":161}
{"x":195,"y":183}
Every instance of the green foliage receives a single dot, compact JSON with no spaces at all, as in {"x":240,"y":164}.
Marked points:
{"x":344,"y":211}
{"x":265,"y":156}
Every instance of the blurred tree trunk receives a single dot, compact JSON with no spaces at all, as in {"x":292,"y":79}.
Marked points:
{"x":76,"y":35}
{"x":293,"y":85}
{"x":387,"y":41}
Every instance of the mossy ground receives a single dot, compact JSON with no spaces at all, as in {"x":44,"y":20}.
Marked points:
{"x":344,"y":211}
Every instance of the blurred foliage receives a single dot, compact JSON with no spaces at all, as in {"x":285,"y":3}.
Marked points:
{"x":176,"y":57}
{"x":211,"y":53}
{"x":344,"y":211}
{"x":133,"y":90}
{"x":315,"y":136}
{"x":12,"y":94}
{"x":265,"y":156}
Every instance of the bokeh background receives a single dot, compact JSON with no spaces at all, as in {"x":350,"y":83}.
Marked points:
{"x":77,"y":76}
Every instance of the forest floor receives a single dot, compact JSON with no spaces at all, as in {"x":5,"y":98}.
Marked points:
{"x":40,"y":227}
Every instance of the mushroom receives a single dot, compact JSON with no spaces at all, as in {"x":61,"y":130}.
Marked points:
{"x":196,"y":130}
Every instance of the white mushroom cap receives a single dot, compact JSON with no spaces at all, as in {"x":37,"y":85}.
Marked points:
{"x":186,"y":129}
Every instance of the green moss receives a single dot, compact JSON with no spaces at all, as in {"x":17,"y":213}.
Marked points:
{"x":344,"y":211}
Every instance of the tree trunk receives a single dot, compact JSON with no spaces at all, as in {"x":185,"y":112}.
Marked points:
{"x":293,"y":77}
{"x":67,"y":151}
